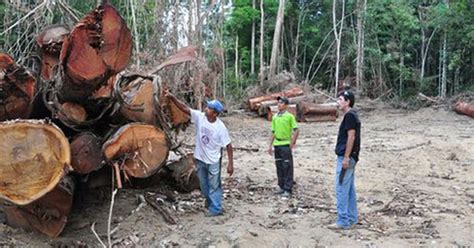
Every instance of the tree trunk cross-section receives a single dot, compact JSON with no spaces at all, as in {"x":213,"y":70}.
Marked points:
{"x":34,"y":157}
{"x":99,"y":46}
{"x":142,"y":148}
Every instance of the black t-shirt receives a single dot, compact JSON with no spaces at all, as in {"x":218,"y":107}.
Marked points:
{"x":350,"y":121}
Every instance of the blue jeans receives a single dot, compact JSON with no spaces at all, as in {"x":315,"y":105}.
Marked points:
{"x":346,"y":199}
{"x":210,"y":181}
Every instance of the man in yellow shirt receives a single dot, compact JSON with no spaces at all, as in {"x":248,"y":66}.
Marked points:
{"x":284,"y":134}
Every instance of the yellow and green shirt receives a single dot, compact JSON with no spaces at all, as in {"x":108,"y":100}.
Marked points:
{"x":282,"y":128}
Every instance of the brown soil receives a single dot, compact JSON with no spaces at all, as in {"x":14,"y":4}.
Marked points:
{"x":415,"y":186}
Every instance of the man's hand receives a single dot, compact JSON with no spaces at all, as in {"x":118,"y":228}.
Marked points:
{"x":292,"y":146}
{"x":270,"y":151}
{"x":230,"y":168}
{"x":345,"y":163}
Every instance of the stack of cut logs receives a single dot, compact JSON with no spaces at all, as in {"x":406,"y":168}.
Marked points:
{"x":299,"y":105}
{"x":88,"y":118}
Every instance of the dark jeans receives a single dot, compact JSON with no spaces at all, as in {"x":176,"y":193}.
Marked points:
{"x":284,"y":165}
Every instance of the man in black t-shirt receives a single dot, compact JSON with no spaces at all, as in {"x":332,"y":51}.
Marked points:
{"x":347,"y":151}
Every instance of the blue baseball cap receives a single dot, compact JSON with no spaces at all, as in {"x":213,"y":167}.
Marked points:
{"x":216,"y":105}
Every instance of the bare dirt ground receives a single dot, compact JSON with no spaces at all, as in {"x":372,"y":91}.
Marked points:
{"x":415,"y":186}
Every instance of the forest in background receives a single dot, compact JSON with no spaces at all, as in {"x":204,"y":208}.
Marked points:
{"x":406,"y":46}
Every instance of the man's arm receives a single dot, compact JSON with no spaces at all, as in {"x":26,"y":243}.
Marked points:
{"x":178,"y":103}
{"x":349,"y":146}
{"x":230,"y":157}
{"x":296,"y":133}
{"x":271,"y":144}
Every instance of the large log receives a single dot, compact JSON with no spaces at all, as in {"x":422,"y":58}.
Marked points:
{"x":48,"y":214}
{"x":99,"y":46}
{"x":264,"y":106}
{"x":17,"y":90}
{"x":50,"y":42}
{"x":179,"y":119}
{"x":142,"y":149}
{"x":254,"y":103}
{"x":139,"y":98}
{"x":464,"y":108}
{"x":34,"y":157}
{"x":86,"y":153}
{"x":311,"y":112}
{"x":184,"y":173}
{"x":273,"y":110}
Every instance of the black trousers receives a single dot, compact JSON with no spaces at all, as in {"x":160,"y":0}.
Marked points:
{"x":284,"y":166}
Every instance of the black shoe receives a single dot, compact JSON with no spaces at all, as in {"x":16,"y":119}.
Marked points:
{"x":279,"y":192}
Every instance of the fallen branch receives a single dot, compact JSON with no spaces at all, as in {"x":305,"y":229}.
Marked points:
{"x":96,"y":235}
{"x":110,"y":217}
{"x":164,"y":212}
{"x":246,"y":149}
{"x":423,"y":96}
{"x":384,"y":94}
{"x":323,"y":93}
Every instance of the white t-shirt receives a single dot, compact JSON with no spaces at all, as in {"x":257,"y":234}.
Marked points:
{"x":210,"y":138}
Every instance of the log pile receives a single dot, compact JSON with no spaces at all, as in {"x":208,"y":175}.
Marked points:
{"x":300,"y":105}
{"x":99,"y":120}
{"x":464,"y":108}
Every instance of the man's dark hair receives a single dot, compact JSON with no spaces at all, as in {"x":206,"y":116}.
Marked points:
{"x":348,"y":96}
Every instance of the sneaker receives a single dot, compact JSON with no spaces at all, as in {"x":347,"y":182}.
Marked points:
{"x":335,"y":226}
{"x":210,"y":214}
{"x":279,"y":192}
{"x":286,"y":194}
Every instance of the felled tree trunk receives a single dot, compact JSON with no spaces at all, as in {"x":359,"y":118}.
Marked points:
{"x":179,"y":119}
{"x":310,"y":112}
{"x":34,"y":157}
{"x":17,"y":90}
{"x":140,"y":149}
{"x":273,"y":110}
{"x":99,"y":46}
{"x":48,"y":214}
{"x":50,"y":42}
{"x":254,"y":103}
{"x":264,"y":106}
{"x":465,"y":108}
{"x":86,"y":153}
{"x":138,"y":93}
{"x":183,"y":173}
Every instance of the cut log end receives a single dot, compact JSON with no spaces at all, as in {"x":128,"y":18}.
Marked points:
{"x":142,"y":148}
{"x":86,"y":152}
{"x":36,"y":149}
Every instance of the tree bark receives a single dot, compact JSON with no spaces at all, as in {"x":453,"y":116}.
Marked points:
{"x":262,"y":22}
{"x":254,"y":103}
{"x":252,"y":47}
{"x":361,"y":12}
{"x":310,"y":112}
{"x":337,"y":35}
{"x":50,"y":42}
{"x":48,"y":214}
{"x":276,"y":39}
{"x":17,"y":90}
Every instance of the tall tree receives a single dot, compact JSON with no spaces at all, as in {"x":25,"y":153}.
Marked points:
{"x":276,"y":39}
{"x":262,"y":24}
{"x":252,"y":49}
{"x":361,"y":10}
{"x":338,"y":36}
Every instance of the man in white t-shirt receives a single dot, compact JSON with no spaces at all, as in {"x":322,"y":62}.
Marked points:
{"x":211,"y":137}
